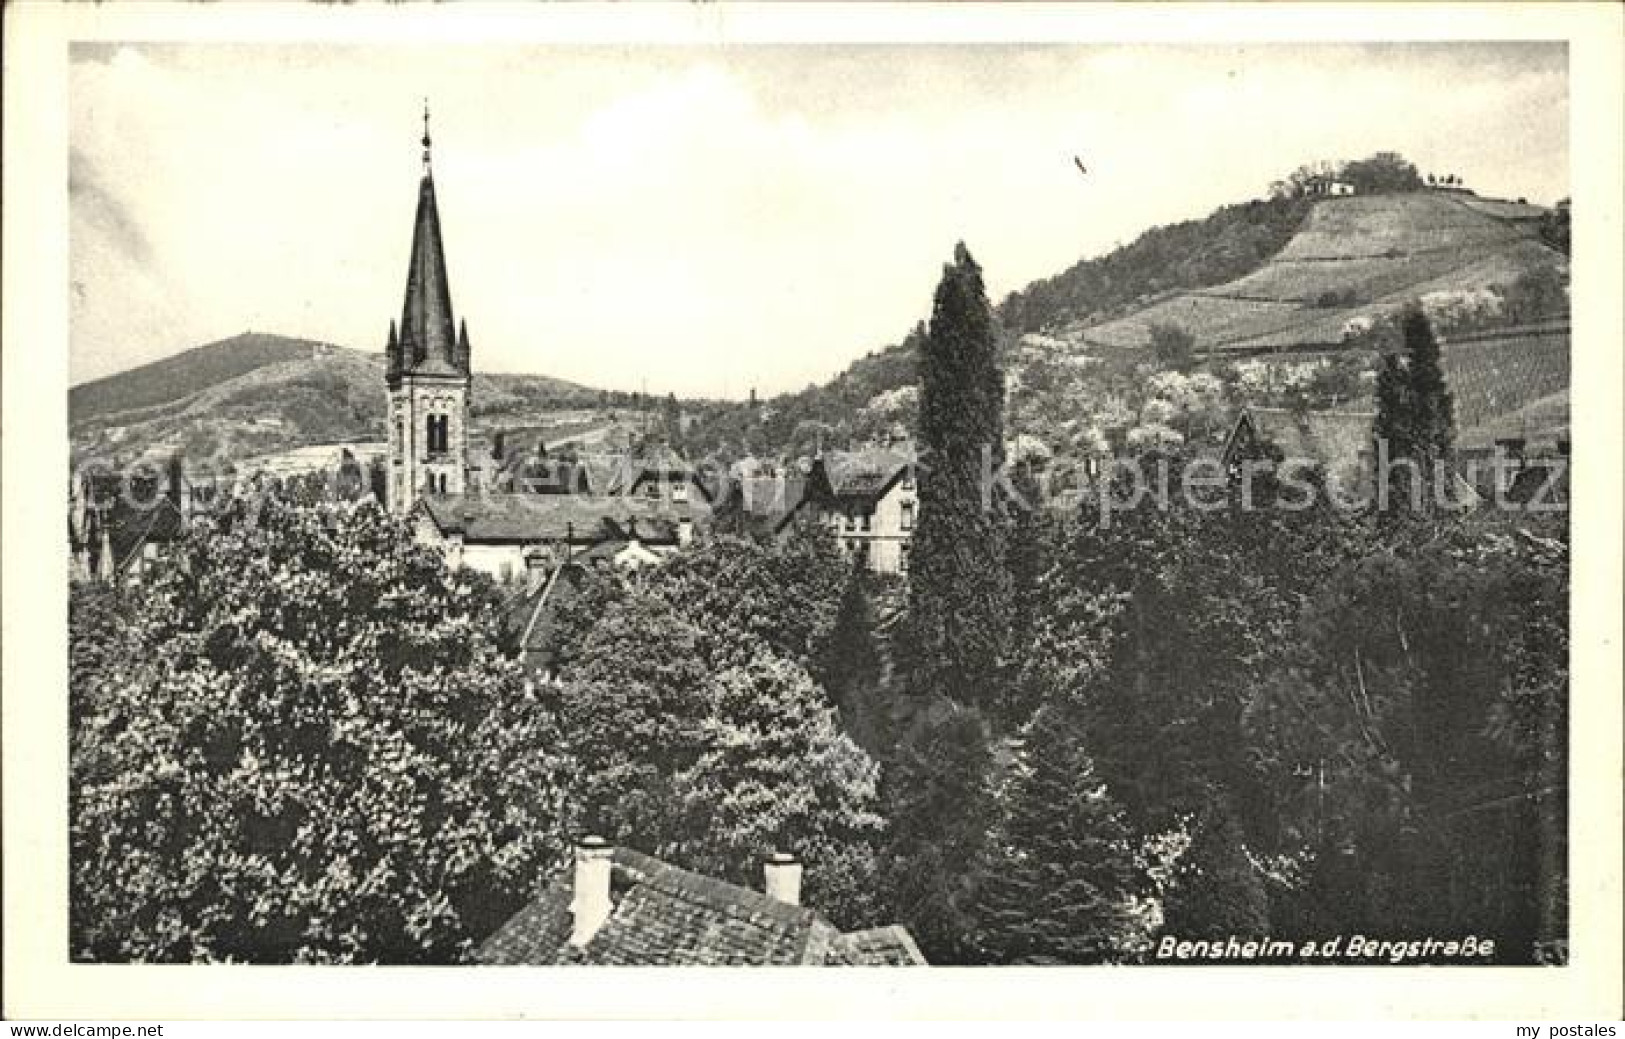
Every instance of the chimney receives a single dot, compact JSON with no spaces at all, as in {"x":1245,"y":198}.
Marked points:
{"x":591,"y":906}
{"x":782,"y":877}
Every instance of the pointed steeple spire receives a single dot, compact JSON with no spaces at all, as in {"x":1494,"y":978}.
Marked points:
{"x":427,"y":337}
{"x":462,"y":345}
{"x":392,"y":351}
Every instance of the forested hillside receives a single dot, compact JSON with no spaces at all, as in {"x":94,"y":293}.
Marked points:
{"x":184,"y":374}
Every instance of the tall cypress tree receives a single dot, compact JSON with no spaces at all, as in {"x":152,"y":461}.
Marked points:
{"x":1415,"y":412}
{"x":959,"y":589}
{"x":1433,"y":410}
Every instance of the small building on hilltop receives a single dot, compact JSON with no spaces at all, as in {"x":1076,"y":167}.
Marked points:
{"x":619,"y":907}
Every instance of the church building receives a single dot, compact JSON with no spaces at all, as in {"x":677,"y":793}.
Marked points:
{"x":508,"y":529}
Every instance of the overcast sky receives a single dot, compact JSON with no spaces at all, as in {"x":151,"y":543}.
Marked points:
{"x":702,"y":220}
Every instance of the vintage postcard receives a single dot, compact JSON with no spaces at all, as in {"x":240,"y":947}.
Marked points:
{"x":496,"y":494}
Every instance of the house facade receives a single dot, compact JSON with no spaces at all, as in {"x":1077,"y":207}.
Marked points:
{"x":868,"y":499}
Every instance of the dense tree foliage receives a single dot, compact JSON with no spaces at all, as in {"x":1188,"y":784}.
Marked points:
{"x":687,"y":694}
{"x":939,"y":796}
{"x":1061,"y":883}
{"x":1417,"y":735}
{"x":850,"y":667}
{"x":1554,"y":227}
{"x":302,"y":745}
{"x":1172,"y":346}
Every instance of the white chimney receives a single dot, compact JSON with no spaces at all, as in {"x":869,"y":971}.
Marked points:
{"x":782,"y":874}
{"x":591,"y":906}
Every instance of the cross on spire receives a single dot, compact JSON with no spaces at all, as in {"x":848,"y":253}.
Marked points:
{"x":425,"y":135}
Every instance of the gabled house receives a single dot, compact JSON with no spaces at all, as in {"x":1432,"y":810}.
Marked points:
{"x":618,"y":907}
{"x":123,"y":524}
{"x":657,"y":473}
{"x":1340,"y":443}
{"x":868,"y":499}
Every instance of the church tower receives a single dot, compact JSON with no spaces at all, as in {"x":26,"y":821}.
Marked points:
{"x":428,"y":372}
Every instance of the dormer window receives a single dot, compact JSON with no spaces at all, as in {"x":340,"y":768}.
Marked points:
{"x":679,"y":493}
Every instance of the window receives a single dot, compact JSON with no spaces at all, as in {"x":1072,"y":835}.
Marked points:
{"x":679,"y":492}
{"x":866,"y":520}
{"x":439,"y":434}
{"x":902,"y":557}
{"x":851,"y":521}
{"x":908,"y":515}
{"x":651,"y":489}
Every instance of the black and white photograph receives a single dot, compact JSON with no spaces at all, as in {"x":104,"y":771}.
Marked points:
{"x":988,"y":504}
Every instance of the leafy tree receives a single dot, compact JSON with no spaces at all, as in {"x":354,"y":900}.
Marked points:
{"x":1217,"y":891}
{"x":702,"y":736}
{"x":1428,"y":694}
{"x":631,"y":703}
{"x":776,"y":773}
{"x":959,"y":590}
{"x":1539,"y":293}
{"x":1415,"y":423}
{"x":1554,"y":227}
{"x":781,"y":591}
{"x":1381,"y":173}
{"x":939,"y":799}
{"x":1172,"y":345}
{"x":307,"y":749}
{"x":1062,"y":885}
{"x":850,"y":662}
{"x":378,"y":479}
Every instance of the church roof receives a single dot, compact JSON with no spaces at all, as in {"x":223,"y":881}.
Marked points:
{"x":579,"y":518}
